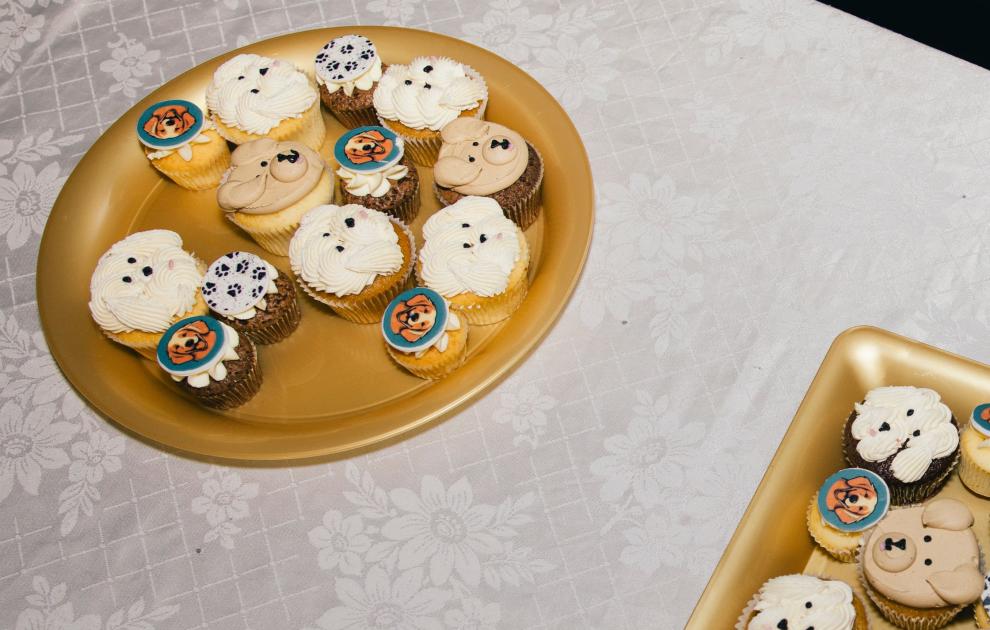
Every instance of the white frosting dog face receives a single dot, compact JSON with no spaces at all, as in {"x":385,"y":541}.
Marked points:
{"x":143,"y":282}
{"x":908,"y":423}
{"x":797,"y":602}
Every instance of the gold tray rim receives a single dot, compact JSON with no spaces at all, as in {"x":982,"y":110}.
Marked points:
{"x":506,"y":357}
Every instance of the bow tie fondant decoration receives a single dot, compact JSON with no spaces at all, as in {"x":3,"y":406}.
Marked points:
{"x":504,"y":144}
{"x":890,"y":543}
{"x":290,"y":157}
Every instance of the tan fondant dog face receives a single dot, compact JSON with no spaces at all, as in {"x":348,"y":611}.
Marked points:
{"x":264,"y":172}
{"x":479,"y":157}
{"x":930,"y":553}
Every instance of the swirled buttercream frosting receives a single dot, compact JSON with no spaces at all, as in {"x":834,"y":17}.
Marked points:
{"x":428,"y":93}
{"x":803,"y":601}
{"x":255,"y":93}
{"x":143,"y":282}
{"x":342,"y":249}
{"x":909,"y":423}
{"x":469,"y":247}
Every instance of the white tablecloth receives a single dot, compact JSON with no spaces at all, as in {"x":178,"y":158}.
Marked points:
{"x":769,"y":173}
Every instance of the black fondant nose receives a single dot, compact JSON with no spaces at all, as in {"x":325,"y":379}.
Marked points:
{"x":146,"y":271}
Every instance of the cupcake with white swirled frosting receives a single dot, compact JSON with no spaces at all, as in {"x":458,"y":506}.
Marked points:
{"x":804,"y":601}
{"x":142,"y":285}
{"x":254,"y":97}
{"x":418,"y":99}
{"x":476,"y":258}
{"x":907,"y":436}
{"x":353,"y":259}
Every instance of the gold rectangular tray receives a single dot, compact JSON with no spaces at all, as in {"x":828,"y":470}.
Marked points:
{"x":772,"y":538}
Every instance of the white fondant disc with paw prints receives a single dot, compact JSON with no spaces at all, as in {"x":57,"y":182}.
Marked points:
{"x":236,"y":282}
{"x":345,"y":58}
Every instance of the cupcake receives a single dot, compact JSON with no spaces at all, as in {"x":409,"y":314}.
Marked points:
{"x":476,"y":258}
{"x":486,"y":159}
{"x":423,"y":335}
{"x":375,"y":173}
{"x":353,"y":259}
{"x":210,"y":361}
{"x":921,"y":565}
{"x":907,"y":436}
{"x":254,"y":97}
{"x":142,"y":285}
{"x":798,"y":602}
{"x":347,"y":70}
{"x":183,"y":145}
{"x":848,"y":503}
{"x":248,"y":294}
{"x":974,"y":466}
{"x":270,"y":186}
{"x":417,"y":100}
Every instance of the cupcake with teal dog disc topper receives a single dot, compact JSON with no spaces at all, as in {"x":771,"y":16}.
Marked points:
{"x":974,"y":466}
{"x":423,"y":335}
{"x":182,"y":143}
{"x":210,"y":361}
{"x":848,"y":503}
{"x":375,"y":172}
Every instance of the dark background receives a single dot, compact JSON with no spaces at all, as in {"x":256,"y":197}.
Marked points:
{"x":958,"y":27}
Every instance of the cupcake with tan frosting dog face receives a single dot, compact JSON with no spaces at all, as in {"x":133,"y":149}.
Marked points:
{"x":476,"y":258}
{"x":417,"y":100}
{"x":483,"y":158}
{"x":353,"y":259}
{"x":347,"y":70}
{"x":270,"y":186}
{"x":254,"y":97}
{"x":142,"y":285}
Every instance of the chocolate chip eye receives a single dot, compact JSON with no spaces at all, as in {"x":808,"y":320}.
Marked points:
{"x":474,"y":144}
{"x":467,"y":245}
{"x":910,"y":412}
{"x":782,"y":624}
{"x":326,"y":234}
{"x":807,"y":604}
{"x":126,"y":278}
{"x":885,"y":427}
{"x":471,"y":158}
{"x":264,"y":163}
{"x":928,"y":562}
{"x":263,"y":71}
{"x":916,"y":433}
{"x":408,"y":81}
{"x":927,"y":538}
{"x":483,"y":238}
{"x":349,"y":222}
{"x":147,"y":271}
{"x":254,"y":90}
{"x":427,"y":86}
{"x":465,"y":225}
{"x":132,"y":260}
{"x":240,"y":78}
{"x":427,"y":69}
{"x":340,"y":248}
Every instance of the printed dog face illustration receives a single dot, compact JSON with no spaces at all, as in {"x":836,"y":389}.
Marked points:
{"x":928,"y":554}
{"x":369,"y":146}
{"x":192,"y":342}
{"x":169,"y":121}
{"x":266,"y":175}
{"x":413,"y":318}
{"x":479,"y":157}
{"x":852,"y":500}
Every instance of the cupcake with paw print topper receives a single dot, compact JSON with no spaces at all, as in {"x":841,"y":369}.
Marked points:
{"x":375,"y":173}
{"x":849,"y":502}
{"x":974,"y":445}
{"x":353,"y":259}
{"x":183,"y":145}
{"x":347,"y":70}
{"x":417,"y":100}
{"x":249,"y":294}
{"x":254,"y":97}
{"x":423,"y":335}
{"x":142,"y":285}
{"x":483,"y":158}
{"x":210,"y":361}
{"x":476,"y":258}
{"x":270,"y":186}
{"x":907,"y":436}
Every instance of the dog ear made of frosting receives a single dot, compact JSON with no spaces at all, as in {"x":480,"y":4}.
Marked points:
{"x":452,"y":171}
{"x":962,"y":585}
{"x":235,"y":194}
{"x":947,"y":514}
{"x":463,"y":128}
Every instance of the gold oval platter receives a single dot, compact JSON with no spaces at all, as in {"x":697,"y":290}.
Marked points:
{"x":330,"y":388}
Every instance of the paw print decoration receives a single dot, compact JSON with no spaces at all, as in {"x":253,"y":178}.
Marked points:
{"x":345,"y":58}
{"x":237,"y":282}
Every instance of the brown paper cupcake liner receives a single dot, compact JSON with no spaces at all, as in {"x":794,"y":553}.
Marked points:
{"x":198,"y":177}
{"x":274,"y":240}
{"x":277,"y":329}
{"x":241,"y":391}
{"x":368,"y":311}
{"x":407,"y":211}
{"x":354,"y":118}
{"x":980,"y":615}
{"x":839,"y":553}
{"x":862,"y":621}
{"x":308,"y":129}
{"x":974,"y":477}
